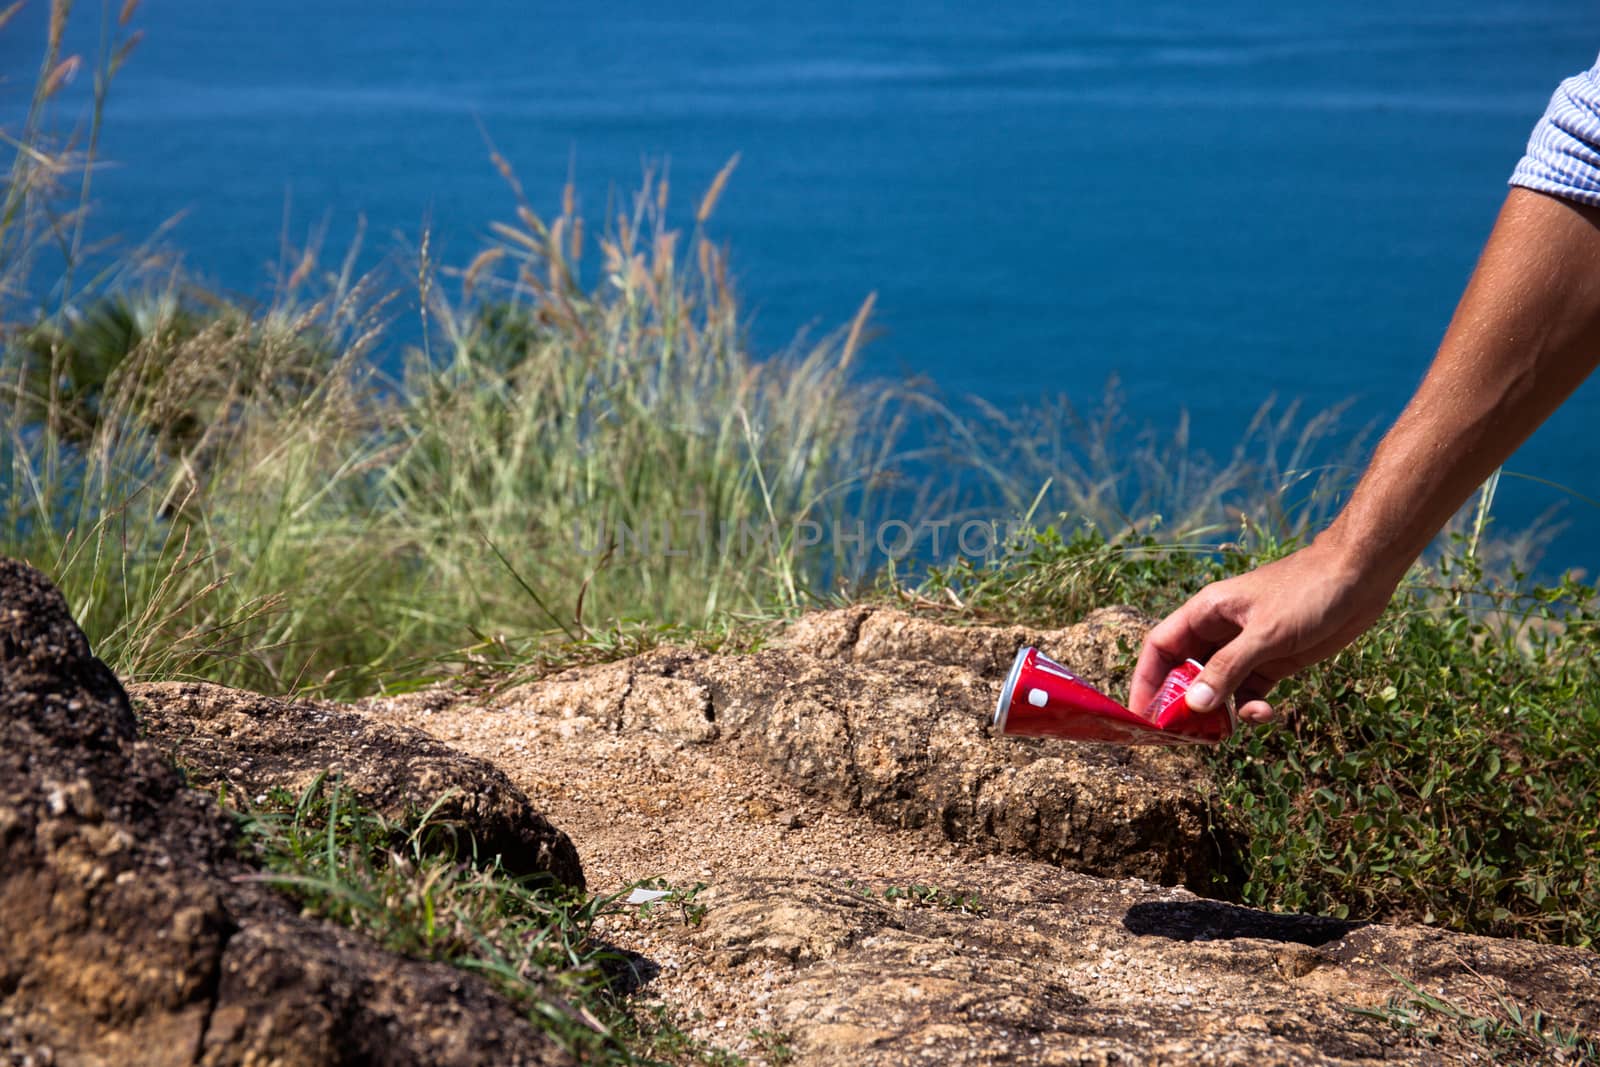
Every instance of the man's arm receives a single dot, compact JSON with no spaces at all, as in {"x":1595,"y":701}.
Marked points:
{"x":1524,"y":336}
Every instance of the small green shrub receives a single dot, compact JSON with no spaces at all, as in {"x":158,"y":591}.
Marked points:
{"x":1048,"y":578}
{"x":394,"y":883}
{"x":1442,"y":769}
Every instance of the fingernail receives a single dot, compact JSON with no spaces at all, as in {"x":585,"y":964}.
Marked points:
{"x":1201,"y":697}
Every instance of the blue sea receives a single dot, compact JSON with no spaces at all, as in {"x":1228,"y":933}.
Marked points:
{"x":1229,"y":201}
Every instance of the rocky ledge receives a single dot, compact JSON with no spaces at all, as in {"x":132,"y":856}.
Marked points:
{"x":884,"y":881}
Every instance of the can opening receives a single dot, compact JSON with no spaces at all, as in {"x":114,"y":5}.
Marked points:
{"x":1006,"y":691}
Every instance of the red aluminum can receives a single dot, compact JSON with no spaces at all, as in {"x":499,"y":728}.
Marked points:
{"x":1042,"y":698}
{"x":1170,"y":711}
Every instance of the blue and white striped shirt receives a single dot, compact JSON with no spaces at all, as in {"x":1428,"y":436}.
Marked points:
{"x":1563,"y":156}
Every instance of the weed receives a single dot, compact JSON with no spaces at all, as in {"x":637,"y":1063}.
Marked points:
{"x":1441,"y":769}
{"x":392,"y":882}
{"x":776,"y":1045}
{"x":1054,"y":577}
{"x":916,"y":895}
{"x":1510,"y":1031}
{"x":690,"y":911}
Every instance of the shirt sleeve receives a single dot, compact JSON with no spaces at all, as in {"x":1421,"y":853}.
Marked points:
{"x":1563,"y":156}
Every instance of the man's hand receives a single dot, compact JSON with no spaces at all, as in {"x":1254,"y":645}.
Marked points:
{"x":1526,"y":333}
{"x":1255,"y":630}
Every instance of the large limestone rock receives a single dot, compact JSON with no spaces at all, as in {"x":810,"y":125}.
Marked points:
{"x":126,"y":932}
{"x":884,"y":713}
{"x":814,"y":786}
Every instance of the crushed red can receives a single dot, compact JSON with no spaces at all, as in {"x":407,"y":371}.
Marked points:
{"x":1042,"y":698}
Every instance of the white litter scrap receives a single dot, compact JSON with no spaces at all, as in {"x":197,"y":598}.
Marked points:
{"x":645,"y":896}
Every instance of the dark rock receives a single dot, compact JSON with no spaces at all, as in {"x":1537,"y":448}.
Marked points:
{"x":47,"y":672}
{"x":126,"y":934}
{"x":252,"y":742}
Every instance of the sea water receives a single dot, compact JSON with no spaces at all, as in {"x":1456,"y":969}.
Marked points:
{"x":1240,"y":199}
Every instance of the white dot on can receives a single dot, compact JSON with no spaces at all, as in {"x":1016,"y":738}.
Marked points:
{"x":1038,"y":697}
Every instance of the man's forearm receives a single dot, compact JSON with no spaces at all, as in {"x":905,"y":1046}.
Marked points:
{"x":1525,"y":335}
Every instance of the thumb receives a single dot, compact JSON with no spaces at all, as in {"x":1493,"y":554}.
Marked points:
{"x":1225,"y":672}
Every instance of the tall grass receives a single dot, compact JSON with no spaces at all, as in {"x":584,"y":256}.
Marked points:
{"x":240,"y":493}
{"x":620,"y":439}
{"x":415,"y":888}
{"x":1286,"y":472}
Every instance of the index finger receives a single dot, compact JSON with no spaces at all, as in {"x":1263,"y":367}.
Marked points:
{"x":1194,"y":631}
{"x":1152,"y":669}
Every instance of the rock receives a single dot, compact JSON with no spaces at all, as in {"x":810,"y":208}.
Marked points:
{"x":126,"y":932}
{"x":1100,"y":648}
{"x":252,"y":743}
{"x":1065,"y":969}
{"x":298,"y":992}
{"x":877,"y":711}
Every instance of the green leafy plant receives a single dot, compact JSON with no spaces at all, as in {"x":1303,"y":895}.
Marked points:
{"x":1440,"y":769}
{"x":683,"y":899}
{"x":1053,"y":577}
{"x":1510,"y":1031}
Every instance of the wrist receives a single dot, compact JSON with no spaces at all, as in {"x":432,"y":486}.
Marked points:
{"x":1357,"y":556}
